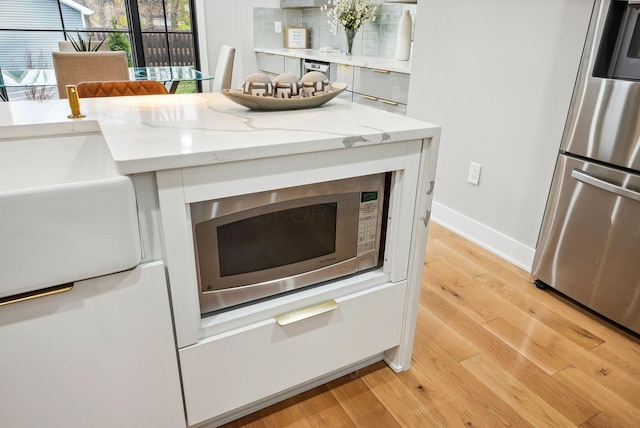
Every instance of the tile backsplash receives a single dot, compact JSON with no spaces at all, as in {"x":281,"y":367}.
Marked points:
{"x":376,"y":38}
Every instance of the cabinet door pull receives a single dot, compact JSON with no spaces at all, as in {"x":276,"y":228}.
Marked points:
{"x":308,"y":312}
{"x":50,"y":291}
{"x":377,"y":70}
{"x":369,"y":97}
{"x":605,"y":185}
{"x":392,"y":103}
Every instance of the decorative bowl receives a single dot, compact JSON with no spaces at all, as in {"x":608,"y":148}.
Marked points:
{"x":274,"y":104}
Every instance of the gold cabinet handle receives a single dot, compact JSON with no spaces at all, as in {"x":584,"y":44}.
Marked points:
{"x":50,"y":291}
{"x":377,"y":70}
{"x":308,"y":312}
{"x":392,"y":103}
{"x":369,"y":97}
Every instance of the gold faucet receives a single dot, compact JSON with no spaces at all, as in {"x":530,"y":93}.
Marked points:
{"x":74,"y":102}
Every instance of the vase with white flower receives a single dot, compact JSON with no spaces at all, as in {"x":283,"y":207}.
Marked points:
{"x":351,"y":14}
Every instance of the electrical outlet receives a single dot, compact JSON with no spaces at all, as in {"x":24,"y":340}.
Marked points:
{"x":474,"y":173}
{"x":278,"y":28}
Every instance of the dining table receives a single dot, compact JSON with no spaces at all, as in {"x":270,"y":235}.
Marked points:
{"x":46,"y":77}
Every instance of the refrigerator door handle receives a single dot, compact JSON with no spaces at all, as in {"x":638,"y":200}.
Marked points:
{"x":604,"y":185}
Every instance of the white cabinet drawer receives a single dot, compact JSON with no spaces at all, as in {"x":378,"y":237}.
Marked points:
{"x":379,"y":103}
{"x":293,"y":66}
{"x":236,"y":368}
{"x":268,"y":63}
{"x":101,"y":355}
{"x":346,"y":95}
{"x":387,"y":85}
{"x":342,"y":73}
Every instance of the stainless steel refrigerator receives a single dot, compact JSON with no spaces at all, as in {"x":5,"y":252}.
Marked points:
{"x":589,"y":244}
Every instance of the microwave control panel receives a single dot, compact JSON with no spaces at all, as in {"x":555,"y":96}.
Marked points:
{"x":368,"y":222}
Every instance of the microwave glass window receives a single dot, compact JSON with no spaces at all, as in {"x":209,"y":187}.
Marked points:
{"x":277,"y":239}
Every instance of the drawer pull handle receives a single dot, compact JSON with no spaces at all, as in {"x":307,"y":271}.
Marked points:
{"x":391,"y":103}
{"x":369,"y":97}
{"x":50,"y":291}
{"x":377,"y":70}
{"x":308,"y":312}
{"x":605,"y":185}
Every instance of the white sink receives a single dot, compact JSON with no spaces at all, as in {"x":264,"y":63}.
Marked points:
{"x":65,"y":212}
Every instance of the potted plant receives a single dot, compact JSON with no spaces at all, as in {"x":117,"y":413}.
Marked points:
{"x":81,"y":46}
{"x":351,"y":14}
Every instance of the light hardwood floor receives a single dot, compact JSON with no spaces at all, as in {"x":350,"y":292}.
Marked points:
{"x":491,"y":350}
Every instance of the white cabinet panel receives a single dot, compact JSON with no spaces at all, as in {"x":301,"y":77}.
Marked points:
{"x":346,"y":95}
{"x":100,"y":355}
{"x":366,"y":100}
{"x":284,"y":4}
{"x":271,"y":64}
{"x":279,"y":64}
{"x":387,"y":85}
{"x":293,"y":66}
{"x":236,"y":368}
{"x":390,"y":106}
{"x":342,"y":73}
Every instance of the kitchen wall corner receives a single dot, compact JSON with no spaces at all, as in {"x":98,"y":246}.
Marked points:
{"x":498,"y":77}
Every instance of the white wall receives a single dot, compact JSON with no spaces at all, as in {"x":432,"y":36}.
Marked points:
{"x":498,"y":76}
{"x":229,"y":22}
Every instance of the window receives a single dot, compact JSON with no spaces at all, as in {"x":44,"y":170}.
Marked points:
{"x":152,"y":32}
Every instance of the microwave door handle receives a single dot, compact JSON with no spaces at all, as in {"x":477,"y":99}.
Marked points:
{"x":605,"y":185}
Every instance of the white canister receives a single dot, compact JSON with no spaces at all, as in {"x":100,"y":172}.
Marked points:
{"x":403,"y":42}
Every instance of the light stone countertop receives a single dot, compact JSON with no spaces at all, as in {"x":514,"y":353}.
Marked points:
{"x":150,"y":133}
{"x":341,"y":58}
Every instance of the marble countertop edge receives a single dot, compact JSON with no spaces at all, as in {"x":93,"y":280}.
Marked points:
{"x":388,"y":64}
{"x":152,"y":133}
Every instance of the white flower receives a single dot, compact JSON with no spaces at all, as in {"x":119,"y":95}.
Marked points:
{"x":352,"y":14}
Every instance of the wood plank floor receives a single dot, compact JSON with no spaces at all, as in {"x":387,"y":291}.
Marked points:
{"x":491,"y":350}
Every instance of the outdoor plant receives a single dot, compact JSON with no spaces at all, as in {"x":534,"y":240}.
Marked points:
{"x":80,"y":46}
{"x":351,"y":14}
{"x":117,"y":41}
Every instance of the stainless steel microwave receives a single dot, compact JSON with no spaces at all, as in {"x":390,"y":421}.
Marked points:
{"x":618,"y":55}
{"x":256,"y":246}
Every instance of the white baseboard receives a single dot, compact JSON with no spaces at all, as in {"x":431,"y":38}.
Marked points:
{"x":498,"y":243}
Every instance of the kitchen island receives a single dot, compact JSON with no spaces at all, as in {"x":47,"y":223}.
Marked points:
{"x":183,"y":149}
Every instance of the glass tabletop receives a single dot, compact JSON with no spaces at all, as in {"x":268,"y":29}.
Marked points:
{"x":168,"y":74}
{"x":27,"y":77}
{"x":47,"y":77}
